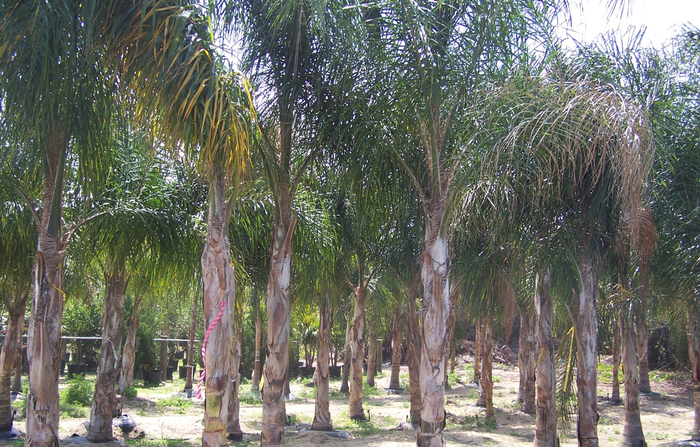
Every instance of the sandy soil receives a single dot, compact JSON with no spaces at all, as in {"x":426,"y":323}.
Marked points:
{"x":667,"y":415}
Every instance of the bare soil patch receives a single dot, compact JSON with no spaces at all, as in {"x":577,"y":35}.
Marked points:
{"x":166,"y":417}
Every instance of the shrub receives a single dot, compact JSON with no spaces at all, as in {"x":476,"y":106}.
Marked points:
{"x":79,"y":391}
{"x":131,"y":392}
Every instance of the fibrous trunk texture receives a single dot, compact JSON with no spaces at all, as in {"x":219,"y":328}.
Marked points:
{"x":257,"y":369}
{"x":218,"y":307}
{"x":587,"y":343}
{"x":126,"y":376}
{"x":546,"y":415}
{"x":632,"y":433}
{"x":345,"y":385}
{"x":371,"y":357}
{"x":104,"y":398}
{"x":615,"y":395}
{"x":413,"y":358}
{"x":526,"y":361}
{"x":322,"y":412}
{"x":436,"y":311}
{"x":17,"y":374}
{"x":642,"y":335}
{"x":694,"y":351}
{"x":394,"y":383}
{"x":8,"y":356}
{"x":278,"y":326}
{"x":476,"y":378}
{"x":44,"y":335}
{"x":189,"y":375}
{"x":487,"y":365}
{"x":358,"y":348}
{"x":233,"y":425}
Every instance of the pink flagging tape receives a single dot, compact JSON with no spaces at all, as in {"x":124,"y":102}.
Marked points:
{"x":211,"y":327}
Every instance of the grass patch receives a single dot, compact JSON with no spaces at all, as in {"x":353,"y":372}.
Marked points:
{"x":370,"y":390}
{"x":179,"y":404}
{"x":78,"y":392}
{"x":144,"y":442}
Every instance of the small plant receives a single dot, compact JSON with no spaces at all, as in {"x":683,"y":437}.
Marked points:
{"x":249,"y":398}
{"x":79,"y":391}
{"x":177,"y":402}
{"x":131,"y":392}
{"x":370,"y":390}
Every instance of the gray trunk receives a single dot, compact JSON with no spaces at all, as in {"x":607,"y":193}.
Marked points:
{"x":11,"y":345}
{"x":546,"y":415}
{"x":322,"y":413}
{"x":129,"y":351}
{"x":104,"y":399}
{"x":632,"y":433}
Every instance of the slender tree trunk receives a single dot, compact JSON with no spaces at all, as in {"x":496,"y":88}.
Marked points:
{"x":257,"y":369}
{"x":44,"y":335}
{"x":436,"y":311}
{"x":233,"y":425}
{"x":413,"y":357}
{"x":371,"y":357}
{"x":278,"y":325}
{"x":546,"y":416}
{"x":345,"y":386}
{"x":587,"y":339}
{"x":632,"y":433}
{"x":104,"y":398}
{"x":480,"y":332}
{"x":190,"y":344}
{"x":322,"y":413}
{"x":129,"y":350}
{"x":694,"y":351}
{"x":642,"y":336}
{"x":394,"y":383}
{"x":487,"y":365}
{"x":17,"y":374}
{"x":8,"y":356}
{"x":449,"y":348}
{"x":615,"y":397}
{"x":358,"y":341}
{"x":477,"y":353}
{"x":526,"y":361}
{"x":218,"y":307}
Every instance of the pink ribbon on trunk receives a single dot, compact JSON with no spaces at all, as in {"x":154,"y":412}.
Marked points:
{"x":211,"y":327}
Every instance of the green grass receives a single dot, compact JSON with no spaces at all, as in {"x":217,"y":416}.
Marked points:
{"x":370,"y":390}
{"x":178,"y":404}
{"x":144,"y":442}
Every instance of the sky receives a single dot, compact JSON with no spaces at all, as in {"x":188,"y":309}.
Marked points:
{"x":661,"y":17}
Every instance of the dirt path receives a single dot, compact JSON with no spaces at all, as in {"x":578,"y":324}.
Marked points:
{"x":667,"y":415}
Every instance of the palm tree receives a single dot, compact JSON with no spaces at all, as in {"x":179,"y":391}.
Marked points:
{"x":593,"y":147}
{"x":17,"y":247}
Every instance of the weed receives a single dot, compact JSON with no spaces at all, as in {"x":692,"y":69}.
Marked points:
{"x":131,"y":392}
{"x":370,"y":390}
{"x":250,"y":398}
{"x":178,"y":403}
{"x":79,"y":391}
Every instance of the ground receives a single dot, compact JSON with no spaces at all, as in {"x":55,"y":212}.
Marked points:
{"x":167,"y":417}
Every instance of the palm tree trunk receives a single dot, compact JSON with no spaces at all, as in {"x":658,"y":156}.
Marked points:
{"x":257,"y":369}
{"x":190,"y":344}
{"x":694,"y":351}
{"x":477,"y":353}
{"x":615,"y":396}
{"x":8,"y":356}
{"x":345,"y":386}
{"x":233,"y":425}
{"x":487,"y":365}
{"x":642,"y":336}
{"x":218,"y":307}
{"x":587,"y":339}
{"x":278,"y":326}
{"x":526,"y":362}
{"x":436,"y":311}
{"x":394,"y":383}
{"x":371,"y":357}
{"x":546,"y":416}
{"x":44,"y":335}
{"x":129,"y":350}
{"x":358,"y":340}
{"x":322,"y":413}
{"x":632,"y":433}
{"x":413,"y":358}
{"x":480,"y":332}
{"x":17,"y":374}
{"x":105,"y":398}
{"x":449,"y":349}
